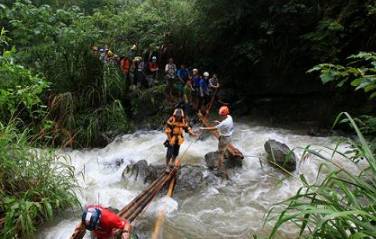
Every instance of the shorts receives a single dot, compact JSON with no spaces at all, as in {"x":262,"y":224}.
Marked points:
{"x":223,"y":142}
{"x":170,"y":82}
{"x":172,"y":151}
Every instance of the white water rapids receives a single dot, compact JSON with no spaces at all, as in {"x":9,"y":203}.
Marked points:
{"x":233,"y":209}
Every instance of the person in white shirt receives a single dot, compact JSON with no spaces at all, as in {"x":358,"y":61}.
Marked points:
{"x":225,"y":129}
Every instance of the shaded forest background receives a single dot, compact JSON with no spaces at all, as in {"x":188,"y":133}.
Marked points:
{"x":260,"y":49}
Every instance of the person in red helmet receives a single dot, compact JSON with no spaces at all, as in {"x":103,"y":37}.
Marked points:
{"x":104,"y":223}
{"x":225,"y":129}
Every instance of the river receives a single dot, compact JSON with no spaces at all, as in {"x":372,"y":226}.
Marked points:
{"x":231,"y":209}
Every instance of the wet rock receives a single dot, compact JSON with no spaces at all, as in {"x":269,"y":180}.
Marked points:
{"x":114,"y":164}
{"x":212,"y":160}
{"x":280,"y":154}
{"x":190,"y":178}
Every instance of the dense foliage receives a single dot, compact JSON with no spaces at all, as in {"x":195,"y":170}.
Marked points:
{"x":33,"y":183}
{"x":251,"y":44}
{"x":360,"y":72}
{"x":340,"y":204}
{"x":89,"y":101}
{"x":265,"y":47}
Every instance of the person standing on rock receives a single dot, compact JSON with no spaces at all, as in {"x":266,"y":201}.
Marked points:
{"x":105,"y":224}
{"x":175,"y":127}
{"x":225,"y":129}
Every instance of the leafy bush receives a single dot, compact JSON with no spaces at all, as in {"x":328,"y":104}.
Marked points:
{"x":20,"y":90}
{"x":360,"y":72}
{"x":342,"y":205}
{"x":34,"y":184}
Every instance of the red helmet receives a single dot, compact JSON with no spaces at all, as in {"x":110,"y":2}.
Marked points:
{"x":224,"y":111}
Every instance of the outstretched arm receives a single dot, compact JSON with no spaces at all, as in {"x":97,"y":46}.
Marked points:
{"x":191,"y":133}
{"x":209,"y":128}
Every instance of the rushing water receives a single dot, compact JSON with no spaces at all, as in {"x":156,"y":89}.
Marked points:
{"x":232,"y":209}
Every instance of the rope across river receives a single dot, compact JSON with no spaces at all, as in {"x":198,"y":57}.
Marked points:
{"x":138,"y":204}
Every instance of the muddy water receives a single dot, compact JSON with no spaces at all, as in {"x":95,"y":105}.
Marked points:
{"x":230,"y":209}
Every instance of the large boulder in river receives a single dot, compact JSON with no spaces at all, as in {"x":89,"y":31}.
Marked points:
{"x":280,"y":155}
{"x":212,"y":160}
{"x":190,"y":178}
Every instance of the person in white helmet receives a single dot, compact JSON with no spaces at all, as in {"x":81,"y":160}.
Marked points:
{"x":196,"y":78}
{"x":153,"y":69}
{"x":176,"y":125}
{"x":204,"y":93}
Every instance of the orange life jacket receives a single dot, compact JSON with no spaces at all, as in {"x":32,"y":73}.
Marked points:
{"x":175,"y":131}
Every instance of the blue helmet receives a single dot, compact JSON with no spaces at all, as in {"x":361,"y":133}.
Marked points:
{"x":91,"y":218}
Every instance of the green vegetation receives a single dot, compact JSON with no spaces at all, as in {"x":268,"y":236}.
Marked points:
{"x":342,"y":204}
{"x":34,"y":184}
{"x":88,"y":101}
{"x":361,"y":72}
{"x":268,"y":45}
{"x":259,"y":41}
{"x":55,"y":92}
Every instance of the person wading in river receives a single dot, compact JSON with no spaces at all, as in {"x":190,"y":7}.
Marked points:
{"x":225,"y":129}
{"x":175,"y":127}
{"x":105,"y":224}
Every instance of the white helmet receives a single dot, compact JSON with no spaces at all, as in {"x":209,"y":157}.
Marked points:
{"x":154,"y":58}
{"x":206,"y":74}
{"x":195,"y":70}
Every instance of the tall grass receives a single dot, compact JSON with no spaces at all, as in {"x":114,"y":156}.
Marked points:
{"x":342,"y":205}
{"x":34,"y":184}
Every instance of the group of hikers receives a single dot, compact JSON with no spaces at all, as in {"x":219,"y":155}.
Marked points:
{"x":196,"y":94}
{"x":192,"y":89}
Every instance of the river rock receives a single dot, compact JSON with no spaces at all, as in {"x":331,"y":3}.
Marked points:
{"x":212,"y":160}
{"x":190,"y":178}
{"x":280,"y":154}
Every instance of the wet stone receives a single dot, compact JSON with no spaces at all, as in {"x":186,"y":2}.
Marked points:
{"x":189,"y":177}
{"x":280,"y":155}
{"x":212,"y":161}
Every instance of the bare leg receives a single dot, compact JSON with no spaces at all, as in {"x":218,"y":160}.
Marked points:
{"x":222,"y":166}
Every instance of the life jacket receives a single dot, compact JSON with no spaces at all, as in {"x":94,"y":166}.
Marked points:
{"x":175,"y":131}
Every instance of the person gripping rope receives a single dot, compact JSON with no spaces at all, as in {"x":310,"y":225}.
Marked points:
{"x":105,"y":224}
{"x":175,"y":127}
{"x":225,"y":129}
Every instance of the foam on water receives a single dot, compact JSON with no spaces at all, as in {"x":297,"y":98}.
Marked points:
{"x":233,"y":209}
